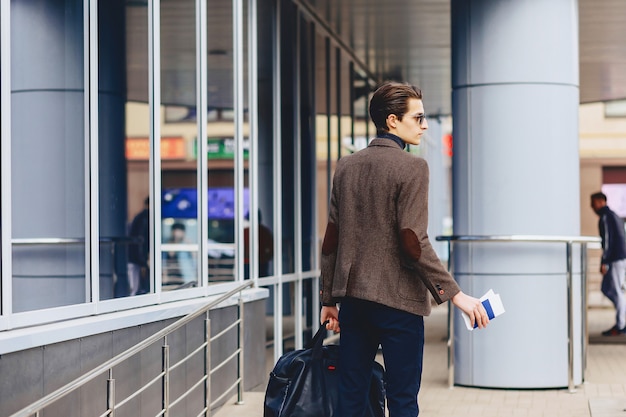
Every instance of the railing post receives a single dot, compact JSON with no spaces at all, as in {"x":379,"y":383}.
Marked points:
{"x":207,"y":365}
{"x":583,"y":290}
{"x":570,"y":321}
{"x":110,"y":394}
{"x":450,"y":322}
{"x":166,"y":377}
{"x":241,"y":345}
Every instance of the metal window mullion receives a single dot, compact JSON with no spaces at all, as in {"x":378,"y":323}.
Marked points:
{"x":352,"y":99}
{"x":92,"y":253}
{"x":238,"y":107}
{"x":277,"y":189}
{"x":253,"y":158}
{"x":315,"y":284}
{"x":6,"y":282}
{"x":297,"y":110}
{"x":201,"y":141}
{"x":367,"y":117}
{"x":338,"y":90}
{"x":86,"y":147}
{"x":328,"y":119}
{"x":154,"y":88}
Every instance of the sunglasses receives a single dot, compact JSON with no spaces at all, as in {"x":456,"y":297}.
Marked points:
{"x":420,"y":118}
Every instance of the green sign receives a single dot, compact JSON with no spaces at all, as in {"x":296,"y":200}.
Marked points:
{"x":222,"y":148}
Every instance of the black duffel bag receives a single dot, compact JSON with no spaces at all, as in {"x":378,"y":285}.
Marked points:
{"x":305,"y":383}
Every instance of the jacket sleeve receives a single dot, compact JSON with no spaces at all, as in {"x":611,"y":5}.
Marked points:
{"x":417,"y":251}
{"x":329,"y":248}
{"x":604,"y":235}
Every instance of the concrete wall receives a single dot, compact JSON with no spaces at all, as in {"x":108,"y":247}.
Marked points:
{"x":29,"y":375}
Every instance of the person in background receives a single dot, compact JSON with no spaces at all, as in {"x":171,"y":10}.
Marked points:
{"x":377,"y":260}
{"x":266,"y":247}
{"x":139,"y":251}
{"x":613,"y":262}
{"x":179,"y":266}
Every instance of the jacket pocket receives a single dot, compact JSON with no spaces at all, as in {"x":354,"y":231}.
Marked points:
{"x":412,"y":288}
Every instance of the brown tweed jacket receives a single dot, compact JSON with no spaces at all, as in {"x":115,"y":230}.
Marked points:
{"x":376,"y":245}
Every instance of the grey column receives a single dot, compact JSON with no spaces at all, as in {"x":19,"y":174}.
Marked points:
{"x":515,"y":171}
{"x":48,"y":152}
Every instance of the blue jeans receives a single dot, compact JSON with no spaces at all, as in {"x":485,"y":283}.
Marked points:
{"x":365,"y":325}
{"x":612,"y":283}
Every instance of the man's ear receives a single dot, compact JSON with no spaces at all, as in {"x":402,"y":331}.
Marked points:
{"x":392,"y":121}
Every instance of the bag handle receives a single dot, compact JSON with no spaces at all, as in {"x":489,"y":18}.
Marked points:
{"x":317,"y":341}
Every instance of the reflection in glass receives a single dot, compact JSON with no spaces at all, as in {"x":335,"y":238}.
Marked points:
{"x":179,"y":144}
{"x":123,"y":150}
{"x":221,"y":143}
{"x":47,"y":130}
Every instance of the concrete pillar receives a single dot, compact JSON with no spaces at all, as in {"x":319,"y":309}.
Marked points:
{"x":516,"y":171}
{"x":48,"y":152}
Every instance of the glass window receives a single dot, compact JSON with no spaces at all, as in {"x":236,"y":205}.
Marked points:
{"x":123,"y":150}
{"x":48,"y":150}
{"x":179,"y":144}
{"x":265,"y":149}
{"x":221,"y":142}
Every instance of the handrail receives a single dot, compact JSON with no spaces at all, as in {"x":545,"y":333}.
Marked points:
{"x":116,"y":360}
{"x":568,"y":240}
{"x":519,"y":238}
{"x":73,"y":240}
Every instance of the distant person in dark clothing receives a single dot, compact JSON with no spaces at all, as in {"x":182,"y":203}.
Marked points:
{"x":266,"y":248}
{"x":613,"y":264}
{"x":139,"y":252}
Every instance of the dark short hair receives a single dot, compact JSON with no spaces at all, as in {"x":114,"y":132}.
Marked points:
{"x":178,"y":226}
{"x":391,"y":97}
{"x":598,"y":196}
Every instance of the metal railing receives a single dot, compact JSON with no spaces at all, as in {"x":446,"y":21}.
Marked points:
{"x":164,"y":376}
{"x":569,"y":241}
{"x":115,"y":242}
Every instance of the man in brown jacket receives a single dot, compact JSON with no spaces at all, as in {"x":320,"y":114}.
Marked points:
{"x":377,"y":260}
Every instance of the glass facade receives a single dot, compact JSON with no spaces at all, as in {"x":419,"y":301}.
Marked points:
{"x":169,"y":160}
{"x":48,"y":156}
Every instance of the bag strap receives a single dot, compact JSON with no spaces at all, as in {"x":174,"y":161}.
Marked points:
{"x":317,"y":341}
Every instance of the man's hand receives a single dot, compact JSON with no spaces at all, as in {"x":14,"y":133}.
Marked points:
{"x":604,"y":268}
{"x":473,"y":308}
{"x":332,"y":315}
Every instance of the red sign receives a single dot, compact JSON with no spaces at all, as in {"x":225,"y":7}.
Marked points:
{"x":138,"y":149}
{"x":446,"y":140}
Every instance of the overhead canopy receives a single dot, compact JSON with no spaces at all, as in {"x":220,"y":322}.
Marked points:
{"x":400,"y":39}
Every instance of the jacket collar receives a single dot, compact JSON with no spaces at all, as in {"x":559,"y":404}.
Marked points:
{"x":391,"y":136}
{"x":384,"y":142}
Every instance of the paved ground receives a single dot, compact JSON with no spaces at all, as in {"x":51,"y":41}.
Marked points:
{"x":603,"y":394}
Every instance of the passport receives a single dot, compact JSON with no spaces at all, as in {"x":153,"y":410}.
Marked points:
{"x":493,"y":305}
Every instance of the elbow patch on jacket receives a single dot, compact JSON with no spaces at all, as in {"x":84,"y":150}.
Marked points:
{"x":410,"y":244}
{"x":331,"y":239}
